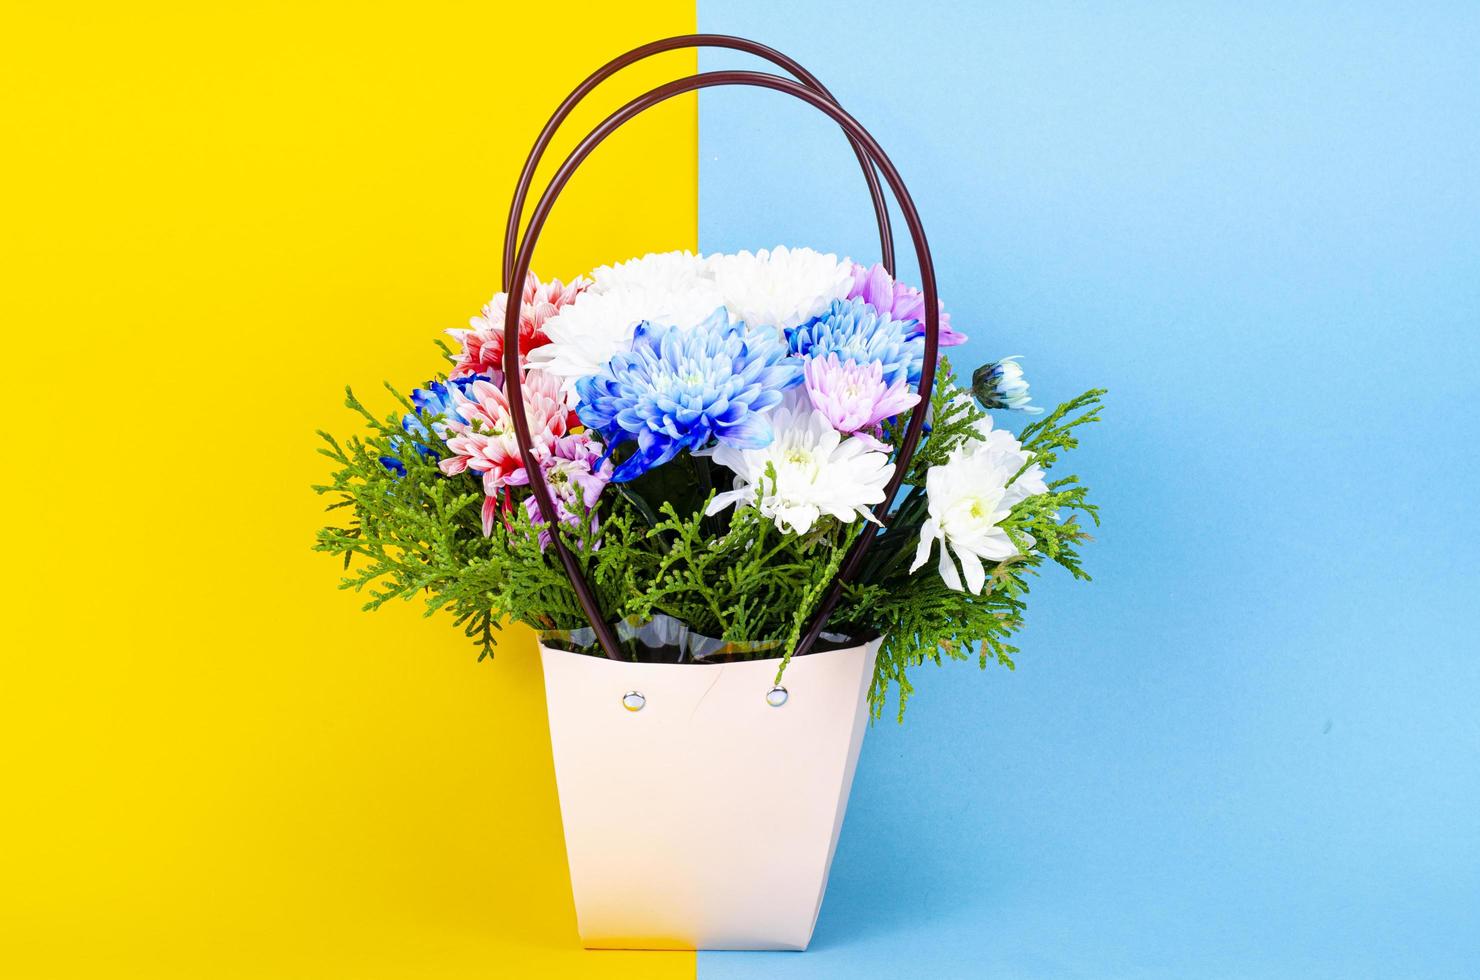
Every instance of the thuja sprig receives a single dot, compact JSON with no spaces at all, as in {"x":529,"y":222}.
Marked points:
{"x":752,"y":583}
{"x":1054,"y":433}
{"x":922,"y":619}
{"x":953,"y":420}
{"x":409,"y":532}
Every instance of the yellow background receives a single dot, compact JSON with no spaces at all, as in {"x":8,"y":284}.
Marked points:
{"x":214,"y":765}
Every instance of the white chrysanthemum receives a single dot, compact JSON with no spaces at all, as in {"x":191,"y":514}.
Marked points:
{"x":816,"y":471}
{"x":670,"y":272}
{"x":1005,"y":447}
{"x":587,"y":333}
{"x":969,"y":496}
{"x":781,"y":287}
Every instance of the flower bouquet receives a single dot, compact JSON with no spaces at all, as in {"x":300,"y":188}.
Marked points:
{"x":682,"y":472}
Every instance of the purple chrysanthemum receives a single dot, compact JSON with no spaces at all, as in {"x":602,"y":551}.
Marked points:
{"x":877,"y":288}
{"x":855,"y":398}
{"x":574,"y":470}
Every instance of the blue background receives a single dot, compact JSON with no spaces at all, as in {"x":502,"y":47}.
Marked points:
{"x":1250,"y":746}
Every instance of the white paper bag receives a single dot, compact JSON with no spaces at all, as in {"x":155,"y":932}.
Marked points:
{"x":706,"y":819}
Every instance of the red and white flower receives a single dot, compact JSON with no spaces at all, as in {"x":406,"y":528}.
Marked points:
{"x":483,"y":345}
{"x":484,"y":441}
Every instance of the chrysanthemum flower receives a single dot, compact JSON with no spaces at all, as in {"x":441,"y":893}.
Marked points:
{"x":663,"y":272}
{"x":808,"y":470}
{"x":575,"y":470}
{"x":878,"y":289}
{"x":969,"y":496}
{"x":438,"y":399}
{"x":483,"y":345}
{"x":434,"y":401}
{"x":1002,"y":385}
{"x":854,"y":397}
{"x":1005,"y":448}
{"x":682,"y":389}
{"x":860,"y":334}
{"x":780,"y":287}
{"x":587,"y":333}
{"x":484,"y":442}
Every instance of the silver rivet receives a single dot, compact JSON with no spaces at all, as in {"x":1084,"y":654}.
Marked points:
{"x":776,"y":696}
{"x":633,"y":700}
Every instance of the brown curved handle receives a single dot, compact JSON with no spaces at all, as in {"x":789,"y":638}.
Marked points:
{"x":542,"y":142}
{"x":525,"y":254}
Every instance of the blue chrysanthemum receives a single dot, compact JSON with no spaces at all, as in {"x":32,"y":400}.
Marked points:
{"x":436,"y":400}
{"x":432,"y":401}
{"x":860,"y":333}
{"x":682,"y":389}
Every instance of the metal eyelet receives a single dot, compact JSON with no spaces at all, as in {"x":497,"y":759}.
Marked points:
{"x":776,"y":696}
{"x":633,"y":700}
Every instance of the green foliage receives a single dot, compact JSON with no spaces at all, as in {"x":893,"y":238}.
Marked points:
{"x":953,"y":420}
{"x":421,"y":534}
{"x":404,"y":536}
{"x":650,"y":549}
{"x":750,"y":583}
{"x":920,"y":617}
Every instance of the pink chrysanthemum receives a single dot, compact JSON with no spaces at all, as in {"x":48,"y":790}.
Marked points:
{"x":878,"y":289}
{"x":483,"y":345}
{"x":854,"y":397}
{"x":484,"y":441}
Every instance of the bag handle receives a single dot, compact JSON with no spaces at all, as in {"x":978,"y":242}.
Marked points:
{"x":541,"y":213}
{"x":592,"y":81}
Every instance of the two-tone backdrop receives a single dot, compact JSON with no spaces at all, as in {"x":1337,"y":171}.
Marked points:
{"x":1249,"y":748}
